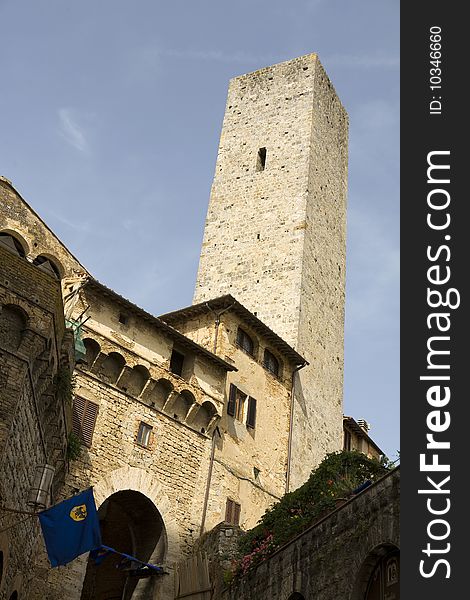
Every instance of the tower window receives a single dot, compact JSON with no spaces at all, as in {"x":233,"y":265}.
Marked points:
{"x":261,"y":159}
{"x":232,"y":512}
{"x":245,"y":342}
{"x":176,"y":363}
{"x":271,"y":363}
{"x":143,"y":435}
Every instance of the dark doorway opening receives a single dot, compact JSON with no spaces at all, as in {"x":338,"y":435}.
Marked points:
{"x":130,"y":523}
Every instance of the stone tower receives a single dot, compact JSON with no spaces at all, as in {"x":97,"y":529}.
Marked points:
{"x":275,"y":233}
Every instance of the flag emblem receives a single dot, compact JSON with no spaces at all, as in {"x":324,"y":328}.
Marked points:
{"x":79,"y":513}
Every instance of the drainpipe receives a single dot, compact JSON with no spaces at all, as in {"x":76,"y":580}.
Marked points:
{"x":209,"y":477}
{"x":291,"y":420}
{"x":217,"y":323}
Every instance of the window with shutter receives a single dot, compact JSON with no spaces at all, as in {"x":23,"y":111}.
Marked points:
{"x":231,"y":400}
{"x":251,"y":416}
{"x":84,"y":419}
{"x":143,"y":435}
{"x":232,"y":512}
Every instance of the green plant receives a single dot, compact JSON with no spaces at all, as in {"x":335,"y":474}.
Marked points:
{"x":74,"y":447}
{"x":64,"y":382}
{"x":336,"y":477}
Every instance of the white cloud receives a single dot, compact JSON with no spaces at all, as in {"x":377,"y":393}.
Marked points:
{"x":70,"y":130}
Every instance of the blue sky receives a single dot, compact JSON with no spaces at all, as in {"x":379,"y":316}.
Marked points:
{"x":111,"y":114}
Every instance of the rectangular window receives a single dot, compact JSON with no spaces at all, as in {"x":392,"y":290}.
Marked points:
{"x":232,"y":512}
{"x":84,"y":415}
{"x":176,"y":363}
{"x":143,"y":435}
{"x":261,"y":159}
{"x":236,"y":403}
{"x":347,"y":440}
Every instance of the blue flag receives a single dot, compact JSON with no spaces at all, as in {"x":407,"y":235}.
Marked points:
{"x":71,"y":528}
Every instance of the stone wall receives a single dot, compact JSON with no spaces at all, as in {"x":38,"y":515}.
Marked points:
{"x":34,"y":415}
{"x":275,"y":236}
{"x":334,"y":559}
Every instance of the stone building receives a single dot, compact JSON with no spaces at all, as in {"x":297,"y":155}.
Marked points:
{"x":356,"y":437}
{"x":275,"y":232}
{"x":35,"y":406}
{"x":207,"y":414}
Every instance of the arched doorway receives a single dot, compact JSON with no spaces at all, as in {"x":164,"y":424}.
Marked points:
{"x":384,"y":583}
{"x":130,"y":523}
{"x":379,"y":575}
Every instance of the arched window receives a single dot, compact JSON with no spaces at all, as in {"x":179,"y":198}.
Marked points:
{"x":271,"y":363}
{"x":245,"y":342}
{"x":112,"y":367}
{"x":204,"y":416}
{"x":47,"y":265}
{"x":92,"y":350}
{"x":13,"y":321}
{"x":182,"y":405}
{"x":11,"y":243}
{"x":138,"y":378}
{"x":160,"y":393}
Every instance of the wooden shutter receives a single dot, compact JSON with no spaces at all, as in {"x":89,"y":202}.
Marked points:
{"x":236,"y":513}
{"x":232,"y":400}
{"x":232,"y":512}
{"x":251,"y":416}
{"x":84,"y":419}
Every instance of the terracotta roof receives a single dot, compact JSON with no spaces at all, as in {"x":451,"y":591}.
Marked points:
{"x":228,"y":301}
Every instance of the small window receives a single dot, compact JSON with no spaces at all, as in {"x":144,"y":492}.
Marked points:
{"x":245,"y":342}
{"x":236,"y":403}
{"x":123,"y":318}
{"x":84,"y":419}
{"x":143,"y":435}
{"x":271,"y":363}
{"x":261,"y":159}
{"x":232,"y":512}
{"x":176,"y":363}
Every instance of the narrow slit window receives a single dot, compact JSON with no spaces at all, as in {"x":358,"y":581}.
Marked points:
{"x":261,"y":159}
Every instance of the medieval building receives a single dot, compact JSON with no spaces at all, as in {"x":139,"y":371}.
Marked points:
{"x":204,"y":415}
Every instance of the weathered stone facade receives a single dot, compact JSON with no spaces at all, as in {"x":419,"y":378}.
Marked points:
{"x":35,"y":415}
{"x":275,"y":232}
{"x":336,"y":557}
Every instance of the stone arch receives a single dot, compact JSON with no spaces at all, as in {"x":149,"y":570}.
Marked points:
{"x":368,"y":567}
{"x":14,"y":242}
{"x":296,"y":596}
{"x":133,"y":478}
{"x":160,"y":393}
{"x":13,"y":322}
{"x":49,"y":264}
{"x":182,"y":405}
{"x":138,"y":377}
{"x":130,"y":523}
{"x":112,"y":366}
{"x":206,"y":412}
{"x":92,"y":349}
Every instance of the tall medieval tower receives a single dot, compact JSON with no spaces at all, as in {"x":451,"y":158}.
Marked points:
{"x":275,"y":233}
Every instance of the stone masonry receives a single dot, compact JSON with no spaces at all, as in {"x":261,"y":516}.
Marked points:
{"x":275,"y":232}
